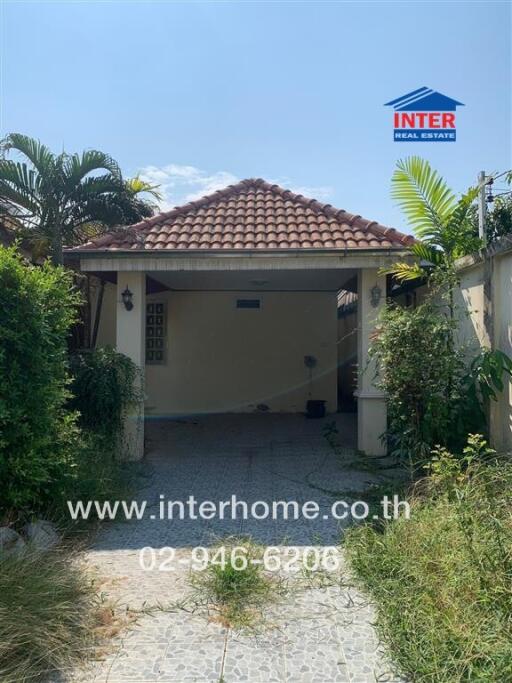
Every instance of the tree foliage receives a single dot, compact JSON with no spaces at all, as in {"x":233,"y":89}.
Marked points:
{"x":421,"y":375}
{"x":434,"y":397}
{"x":104,"y":385}
{"x":37,"y":433}
{"x":499,"y":221}
{"x":442,"y":223}
{"x":64,"y":199}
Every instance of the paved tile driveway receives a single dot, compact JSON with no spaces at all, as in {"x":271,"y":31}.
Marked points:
{"x":316,"y":635}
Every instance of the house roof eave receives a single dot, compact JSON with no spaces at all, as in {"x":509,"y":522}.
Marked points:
{"x":187,"y":253}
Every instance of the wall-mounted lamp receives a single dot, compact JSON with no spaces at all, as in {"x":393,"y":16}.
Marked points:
{"x":375,"y":295}
{"x":127,"y":297}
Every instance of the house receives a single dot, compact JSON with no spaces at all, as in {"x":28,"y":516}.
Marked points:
{"x":230,"y":303}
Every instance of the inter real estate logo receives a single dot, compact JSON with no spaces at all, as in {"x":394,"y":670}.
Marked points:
{"x":424,"y":115}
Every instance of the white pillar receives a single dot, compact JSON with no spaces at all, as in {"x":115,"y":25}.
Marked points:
{"x":371,"y":402}
{"x":130,"y":340}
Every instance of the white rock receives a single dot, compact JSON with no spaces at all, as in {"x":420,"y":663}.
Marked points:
{"x":11,"y":543}
{"x":41,"y":534}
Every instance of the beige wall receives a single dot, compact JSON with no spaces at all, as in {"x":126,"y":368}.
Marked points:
{"x":501,"y":418}
{"x":474,"y":333}
{"x":470,"y":298}
{"x":107,"y":326}
{"x":224,"y":359}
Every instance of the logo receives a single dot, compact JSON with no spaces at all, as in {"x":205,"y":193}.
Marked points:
{"x":424,"y":115}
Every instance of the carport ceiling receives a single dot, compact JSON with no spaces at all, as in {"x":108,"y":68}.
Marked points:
{"x":258,"y":280}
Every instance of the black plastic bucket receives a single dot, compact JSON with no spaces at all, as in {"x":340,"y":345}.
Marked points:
{"x":315,"y":409}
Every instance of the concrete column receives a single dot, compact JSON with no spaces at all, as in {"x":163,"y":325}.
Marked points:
{"x":371,"y":402}
{"x":130,"y":340}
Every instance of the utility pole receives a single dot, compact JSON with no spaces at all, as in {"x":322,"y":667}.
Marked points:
{"x":482,"y":207}
{"x":488,"y":321}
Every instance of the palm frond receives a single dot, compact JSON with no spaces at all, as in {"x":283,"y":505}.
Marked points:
{"x":19,"y":175}
{"x":402,"y":271}
{"x":428,"y":253}
{"x":76,"y":167}
{"x":463,"y":208}
{"x":138,"y":186}
{"x":66,"y":198}
{"x":17,"y":187}
{"x":38,"y":154}
{"x":460,"y":236}
{"x":423,"y":196}
{"x":97,"y":185}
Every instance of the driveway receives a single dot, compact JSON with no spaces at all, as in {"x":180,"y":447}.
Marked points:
{"x":320,"y":631}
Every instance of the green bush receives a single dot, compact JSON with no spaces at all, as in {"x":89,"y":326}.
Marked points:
{"x":48,"y":613}
{"x":442,"y":580}
{"x":434,"y":396}
{"x":98,"y":475}
{"x":104,"y":386}
{"x":37,"y":433}
{"x":420,"y":372}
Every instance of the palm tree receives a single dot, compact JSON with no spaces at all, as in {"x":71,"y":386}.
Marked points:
{"x":64,"y":199}
{"x":442,"y":223}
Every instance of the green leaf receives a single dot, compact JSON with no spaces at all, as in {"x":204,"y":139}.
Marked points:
{"x":423,"y":196}
{"x":404,"y":271}
{"x":38,"y":154}
{"x":76,"y":167}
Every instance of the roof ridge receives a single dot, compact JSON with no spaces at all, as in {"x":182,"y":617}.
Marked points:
{"x":354,"y":220}
{"x":141,"y":229}
{"x":196,"y":203}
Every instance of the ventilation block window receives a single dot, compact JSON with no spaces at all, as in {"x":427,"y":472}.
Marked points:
{"x":155,"y":333}
{"x":248,"y":303}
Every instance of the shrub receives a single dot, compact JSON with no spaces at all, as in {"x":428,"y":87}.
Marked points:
{"x":38,"y":434}
{"x":98,"y":475}
{"x":104,"y":386}
{"x":48,"y":612}
{"x":421,"y":373}
{"x":442,"y":579}
{"x":434,"y":395}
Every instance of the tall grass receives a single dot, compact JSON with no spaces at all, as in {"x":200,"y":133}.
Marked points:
{"x":442,"y":580}
{"x":48,"y":615}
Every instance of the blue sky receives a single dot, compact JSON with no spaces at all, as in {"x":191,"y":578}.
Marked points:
{"x":198,"y":95}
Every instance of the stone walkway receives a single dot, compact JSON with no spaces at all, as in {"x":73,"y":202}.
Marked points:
{"x":320,"y":632}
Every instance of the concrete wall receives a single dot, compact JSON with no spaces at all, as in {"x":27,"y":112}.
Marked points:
{"x":107,"y":326}
{"x":224,"y":359}
{"x":220,"y":358}
{"x":472,"y":333}
{"x":501,"y":417}
{"x":486,"y":296}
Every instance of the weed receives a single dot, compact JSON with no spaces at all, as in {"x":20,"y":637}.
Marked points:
{"x":237,"y":590}
{"x":442,"y":579}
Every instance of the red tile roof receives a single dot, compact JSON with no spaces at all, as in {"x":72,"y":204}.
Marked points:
{"x":252,"y":214}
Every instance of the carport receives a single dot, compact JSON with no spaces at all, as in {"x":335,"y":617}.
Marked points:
{"x":230,"y":304}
